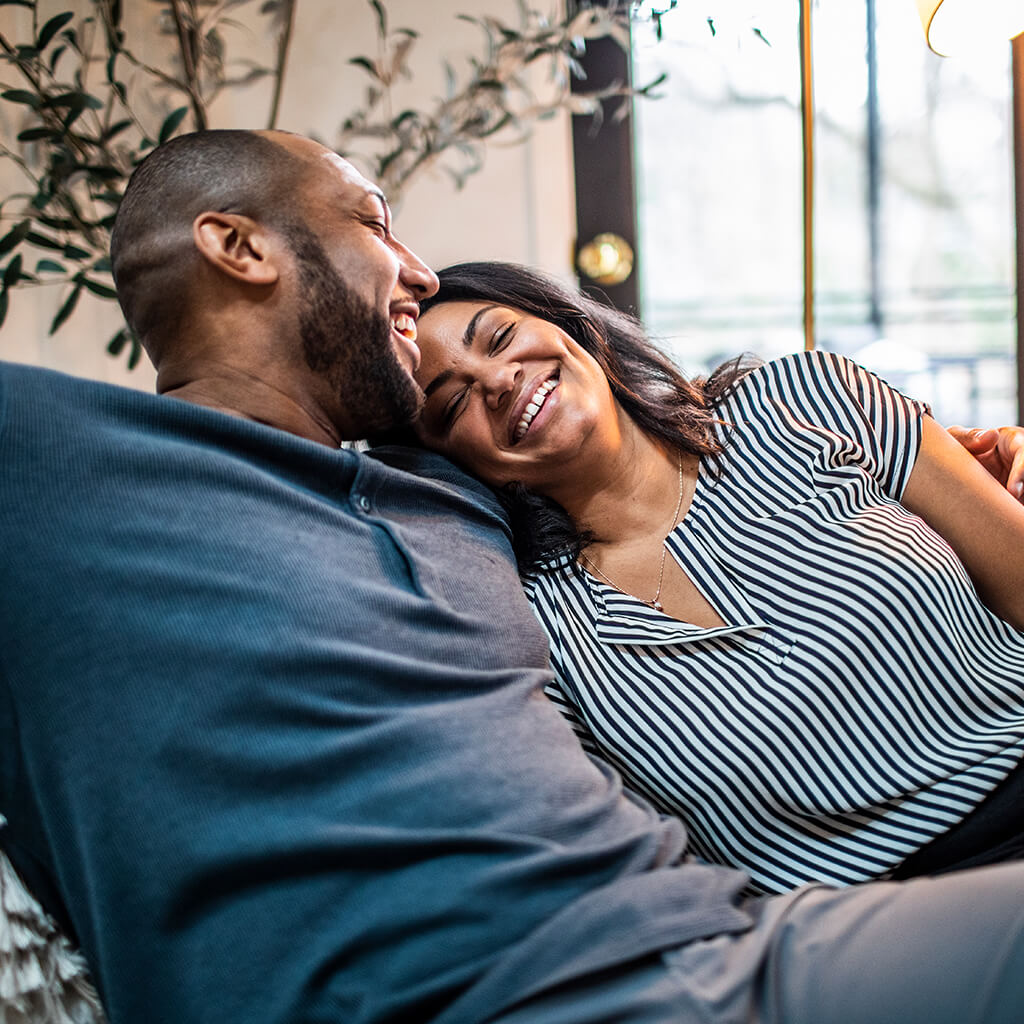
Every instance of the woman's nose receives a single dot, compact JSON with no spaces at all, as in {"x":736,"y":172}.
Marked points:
{"x":499,"y":383}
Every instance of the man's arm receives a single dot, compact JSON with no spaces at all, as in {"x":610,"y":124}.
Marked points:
{"x":1000,"y":451}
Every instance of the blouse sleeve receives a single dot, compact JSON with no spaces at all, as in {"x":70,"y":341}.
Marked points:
{"x":882,"y":426}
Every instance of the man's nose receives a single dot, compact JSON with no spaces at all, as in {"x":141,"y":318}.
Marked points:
{"x":416,"y":275}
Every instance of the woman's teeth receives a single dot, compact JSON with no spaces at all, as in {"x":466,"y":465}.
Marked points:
{"x":539,"y":397}
{"x":405,"y":325}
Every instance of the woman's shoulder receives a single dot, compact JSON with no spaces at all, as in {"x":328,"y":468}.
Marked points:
{"x":822,"y":384}
{"x":799,"y":370}
{"x":550,"y":577}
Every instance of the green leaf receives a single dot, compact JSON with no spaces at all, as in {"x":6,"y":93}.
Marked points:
{"x":366,"y":64}
{"x":171,"y":122}
{"x":73,"y":114}
{"x":103,"y":172}
{"x":58,"y":52}
{"x":15,"y":236}
{"x":67,"y":309}
{"x":74,"y":252}
{"x":102,"y":290}
{"x":51,"y":28}
{"x":13,"y":272}
{"x":3,"y":305}
{"x":117,"y":343}
{"x":404,"y":116}
{"x":50,"y":265}
{"x":21,"y":96}
{"x":74,"y":98}
{"x":136,"y":353}
{"x":43,"y":242}
{"x":102,"y":265}
{"x":382,"y":17}
{"x":34,"y":134}
{"x":57,"y":223}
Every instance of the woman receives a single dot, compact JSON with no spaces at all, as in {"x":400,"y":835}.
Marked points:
{"x":746,"y":614}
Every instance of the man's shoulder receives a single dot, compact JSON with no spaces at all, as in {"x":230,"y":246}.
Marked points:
{"x":428,"y":465}
{"x":16,"y":378}
{"x":36,"y":392}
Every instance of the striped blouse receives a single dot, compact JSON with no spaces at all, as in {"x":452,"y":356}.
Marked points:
{"x":859,"y":700}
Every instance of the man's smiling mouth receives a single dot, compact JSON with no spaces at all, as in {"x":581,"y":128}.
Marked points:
{"x":404,"y":325}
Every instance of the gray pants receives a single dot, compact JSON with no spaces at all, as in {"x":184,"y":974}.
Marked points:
{"x":947,"y":950}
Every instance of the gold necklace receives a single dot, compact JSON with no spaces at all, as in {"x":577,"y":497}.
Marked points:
{"x":655,"y":602}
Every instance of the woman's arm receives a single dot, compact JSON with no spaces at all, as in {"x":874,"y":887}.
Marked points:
{"x":1000,"y":451}
{"x":958,"y":498}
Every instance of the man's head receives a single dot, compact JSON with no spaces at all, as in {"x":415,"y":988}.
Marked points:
{"x":266,"y":257}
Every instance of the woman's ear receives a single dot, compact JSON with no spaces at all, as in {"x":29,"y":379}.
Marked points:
{"x":237,"y":246}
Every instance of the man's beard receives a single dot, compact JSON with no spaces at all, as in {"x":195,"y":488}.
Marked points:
{"x":348,"y":344}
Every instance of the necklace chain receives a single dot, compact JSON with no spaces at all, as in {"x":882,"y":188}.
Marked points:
{"x":655,"y":602}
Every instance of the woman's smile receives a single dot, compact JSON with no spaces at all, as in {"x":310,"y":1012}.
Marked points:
{"x":539,"y":401}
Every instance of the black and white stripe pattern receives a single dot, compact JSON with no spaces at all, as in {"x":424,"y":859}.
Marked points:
{"x":860,"y":700}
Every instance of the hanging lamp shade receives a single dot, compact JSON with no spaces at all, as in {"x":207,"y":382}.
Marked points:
{"x":957,"y":26}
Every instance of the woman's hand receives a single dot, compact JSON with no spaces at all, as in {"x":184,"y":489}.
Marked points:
{"x":1000,"y":451}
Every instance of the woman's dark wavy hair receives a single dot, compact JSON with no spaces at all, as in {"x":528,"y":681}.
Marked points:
{"x":658,"y":398}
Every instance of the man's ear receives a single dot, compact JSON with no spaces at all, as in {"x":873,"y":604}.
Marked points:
{"x":238,"y":246}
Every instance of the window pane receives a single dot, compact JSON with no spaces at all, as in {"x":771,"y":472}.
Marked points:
{"x":914,"y":277}
{"x":718,"y":181}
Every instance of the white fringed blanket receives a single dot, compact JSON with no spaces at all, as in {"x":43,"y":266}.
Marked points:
{"x":42,"y":979}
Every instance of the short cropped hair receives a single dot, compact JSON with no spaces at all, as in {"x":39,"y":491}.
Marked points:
{"x":151,"y":247}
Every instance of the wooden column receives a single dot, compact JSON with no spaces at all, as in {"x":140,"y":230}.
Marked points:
{"x":1018,"y":175}
{"x":807,"y":119}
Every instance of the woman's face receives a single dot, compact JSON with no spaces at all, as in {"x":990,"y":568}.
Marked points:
{"x":511,"y":396}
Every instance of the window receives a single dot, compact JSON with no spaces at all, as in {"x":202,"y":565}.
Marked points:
{"x":914,"y":210}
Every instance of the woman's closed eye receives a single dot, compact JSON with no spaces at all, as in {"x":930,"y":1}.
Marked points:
{"x":453,"y":408}
{"x":501,"y":337}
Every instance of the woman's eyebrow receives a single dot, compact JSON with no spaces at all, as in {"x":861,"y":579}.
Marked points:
{"x":470,"y":331}
{"x":441,"y":379}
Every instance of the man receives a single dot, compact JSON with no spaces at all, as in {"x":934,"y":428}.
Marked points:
{"x":272,"y":742}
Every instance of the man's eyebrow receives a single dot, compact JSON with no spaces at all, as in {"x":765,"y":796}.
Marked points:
{"x":467,"y":340}
{"x":383,"y":202}
{"x":375,"y":193}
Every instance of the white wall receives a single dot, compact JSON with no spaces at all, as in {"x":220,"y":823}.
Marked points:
{"x":520,"y":207}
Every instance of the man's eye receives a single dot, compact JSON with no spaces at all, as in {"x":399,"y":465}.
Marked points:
{"x":501,"y":337}
{"x":379,"y":226}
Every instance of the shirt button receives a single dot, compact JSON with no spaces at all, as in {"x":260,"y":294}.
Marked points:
{"x":363,"y":502}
